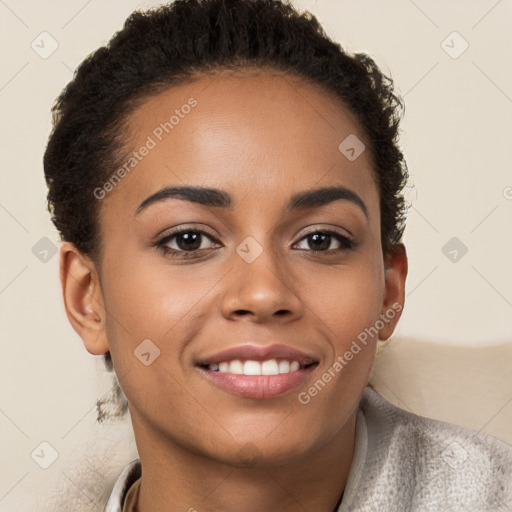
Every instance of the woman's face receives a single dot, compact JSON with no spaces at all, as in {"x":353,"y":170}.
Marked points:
{"x":262,"y":260}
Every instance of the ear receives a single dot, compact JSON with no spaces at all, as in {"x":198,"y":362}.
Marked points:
{"x":395,"y":273}
{"x":83,"y":298}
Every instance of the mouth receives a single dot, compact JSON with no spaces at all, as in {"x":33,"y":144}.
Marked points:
{"x":253,"y":371}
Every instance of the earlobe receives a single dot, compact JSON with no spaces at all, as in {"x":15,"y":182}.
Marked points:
{"x":83,"y":299}
{"x":395,"y":274}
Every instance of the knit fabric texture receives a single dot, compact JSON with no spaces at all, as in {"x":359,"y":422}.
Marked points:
{"x":403,"y":462}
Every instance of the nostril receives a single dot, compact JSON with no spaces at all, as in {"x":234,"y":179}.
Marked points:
{"x":242,"y":312}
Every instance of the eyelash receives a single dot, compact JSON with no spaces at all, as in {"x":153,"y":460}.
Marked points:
{"x":346,"y":243}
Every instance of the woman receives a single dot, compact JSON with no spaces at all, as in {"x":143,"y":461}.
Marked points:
{"x":228,"y":185}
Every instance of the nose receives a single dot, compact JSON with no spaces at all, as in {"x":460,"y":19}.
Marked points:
{"x":261,"y":291}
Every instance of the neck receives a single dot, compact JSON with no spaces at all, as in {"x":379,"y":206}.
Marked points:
{"x":174,"y":478}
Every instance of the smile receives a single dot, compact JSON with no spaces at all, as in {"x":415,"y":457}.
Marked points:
{"x":255,"y":371}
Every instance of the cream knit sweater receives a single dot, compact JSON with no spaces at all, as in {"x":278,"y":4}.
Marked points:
{"x":407,"y":463}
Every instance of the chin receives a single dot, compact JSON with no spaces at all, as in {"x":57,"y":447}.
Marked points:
{"x":262,"y":454}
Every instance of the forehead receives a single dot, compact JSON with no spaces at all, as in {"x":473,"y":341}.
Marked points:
{"x":257,"y":133}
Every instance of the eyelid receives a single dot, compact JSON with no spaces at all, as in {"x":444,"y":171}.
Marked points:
{"x":326,"y":228}
{"x":348,"y":241}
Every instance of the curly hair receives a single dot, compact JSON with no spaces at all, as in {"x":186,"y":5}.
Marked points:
{"x":176,"y":43}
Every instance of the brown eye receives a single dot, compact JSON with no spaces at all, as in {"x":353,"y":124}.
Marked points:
{"x":319,"y":241}
{"x":186,"y":241}
{"x":323,"y":241}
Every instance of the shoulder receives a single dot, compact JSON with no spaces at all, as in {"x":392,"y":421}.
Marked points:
{"x":422,"y":460}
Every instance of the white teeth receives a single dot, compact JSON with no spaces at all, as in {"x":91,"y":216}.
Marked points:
{"x":236,"y":366}
{"x":284,"y":366}
{"x":269,"y":367}
{"x":250,"y":367}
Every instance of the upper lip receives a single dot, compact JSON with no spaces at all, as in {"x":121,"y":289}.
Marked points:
{"x":259,"y":353}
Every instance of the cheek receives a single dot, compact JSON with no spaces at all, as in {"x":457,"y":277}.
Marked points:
{"x":346,"y":302}
{"x":156,"y":302}
{"x":155,"y":310}
{"x":347,"y":309}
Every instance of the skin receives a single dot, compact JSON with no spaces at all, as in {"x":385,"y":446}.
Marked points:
{"x":260,"y":138}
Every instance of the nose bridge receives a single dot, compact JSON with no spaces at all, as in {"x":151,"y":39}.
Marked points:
{"x":260,"y":282}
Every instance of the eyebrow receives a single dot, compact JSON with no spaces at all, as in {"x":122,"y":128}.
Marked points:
{"x":218,"y":198}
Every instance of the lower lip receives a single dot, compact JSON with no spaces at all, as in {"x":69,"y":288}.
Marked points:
{"x":259,"y":386}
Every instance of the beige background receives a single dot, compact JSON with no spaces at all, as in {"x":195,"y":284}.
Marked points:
{"x":456,"y":137}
